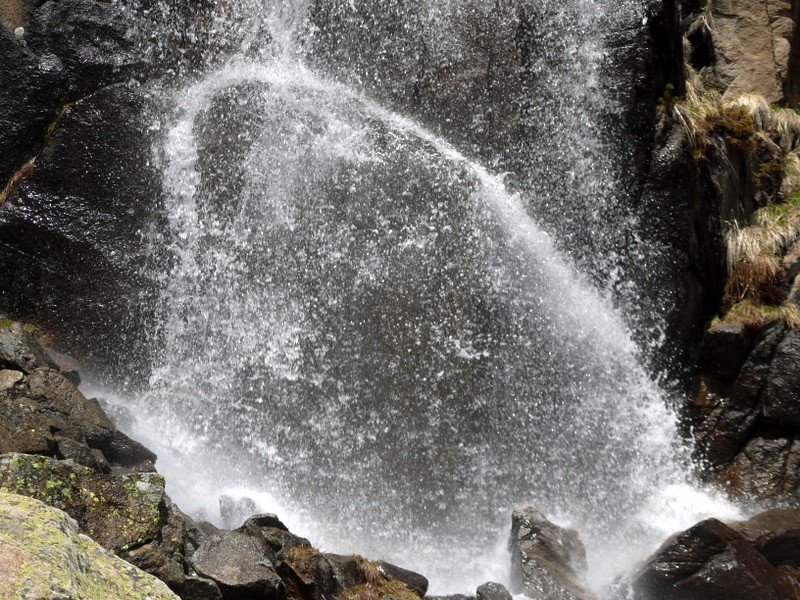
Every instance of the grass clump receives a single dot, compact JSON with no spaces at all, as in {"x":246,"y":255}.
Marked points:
{"x":300,"y":553}
{"x":739,"y":121}
{"x":369,"y":591}
{"x":754,"y":252}
{"x":375,"y":585}
{"x":758,"y":316}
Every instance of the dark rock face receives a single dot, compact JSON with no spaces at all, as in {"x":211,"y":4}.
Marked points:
{"x":73,"y":233}
{"x":44,"y":413}
{"x":712,"y":560}
{"x":746,"y":414}
{"x":70,"y":49}
{"x":547,"y":561}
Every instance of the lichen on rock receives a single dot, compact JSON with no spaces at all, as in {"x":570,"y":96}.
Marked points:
{"x":44,"y":555}
{"x":119,"y":512}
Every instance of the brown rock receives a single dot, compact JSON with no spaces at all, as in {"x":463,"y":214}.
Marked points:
{"x":711,"y":560}
{"x":751,"y":41}
{"x":547,"y":560}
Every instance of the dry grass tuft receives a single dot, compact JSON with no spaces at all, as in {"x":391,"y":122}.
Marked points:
{"x":367,"y":591}
{"x":738,"y":118}
{"x":15,"y":180}
{"x":371,"y":572}
{"x":301,"y":553}
{"x":755,"y":252}
{"x":757,"y":316}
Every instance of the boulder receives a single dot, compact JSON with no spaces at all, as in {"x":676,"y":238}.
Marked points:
{"x":547,"y":560}
{"x":118,"y":512}
{"x":775,"y":534}
{"x":492,"y":591}
{"x":271,"y":535}
{"x":711,"y":560}
{"x":44,"y":555}
{"x":239,"y":565}
{"x":311,"y":575}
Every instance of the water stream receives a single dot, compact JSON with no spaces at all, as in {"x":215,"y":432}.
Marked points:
{"x":364,"y":331}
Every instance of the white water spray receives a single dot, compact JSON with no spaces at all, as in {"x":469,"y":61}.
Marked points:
{"x":365,"y":332}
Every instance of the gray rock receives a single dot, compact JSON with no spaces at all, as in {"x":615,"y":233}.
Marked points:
{"x":492,"y":591}
{"x":780,"y":398}
{"x":413,"y":580}
{"x":239,"y":565}
{"x":199,"y":588}
{"x":44,"y":555}
{"x":547,"y":561}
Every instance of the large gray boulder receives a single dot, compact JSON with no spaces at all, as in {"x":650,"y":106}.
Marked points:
{"x":43,"y":554}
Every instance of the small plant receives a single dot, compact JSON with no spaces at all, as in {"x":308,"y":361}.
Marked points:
{"x":300,"y":553}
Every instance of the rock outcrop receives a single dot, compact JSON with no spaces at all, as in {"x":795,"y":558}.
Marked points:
{"x":744,"y":47}
{"x":57,"y":52}
{"x":43,"y":554}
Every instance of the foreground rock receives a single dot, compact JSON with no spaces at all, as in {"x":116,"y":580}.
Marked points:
{"x":547,"y":561}
{"x":44,"y":555}
{"x":488,"y":591}
{"x":741,"y":561}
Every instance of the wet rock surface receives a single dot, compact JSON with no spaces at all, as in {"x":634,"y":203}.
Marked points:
{"x":547,"y":561}
{"x":69,"y":49}
{"x":746,"y":413}
{"x":44,"y":413}
{"x":714,"y":560}
{"x":72,"y":232}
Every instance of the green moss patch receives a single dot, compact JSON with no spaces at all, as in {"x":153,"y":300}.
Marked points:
{"x":43,"y":555}
{"x":119,"y":512}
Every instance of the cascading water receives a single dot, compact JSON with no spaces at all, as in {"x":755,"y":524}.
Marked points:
{"x":364,"y":331}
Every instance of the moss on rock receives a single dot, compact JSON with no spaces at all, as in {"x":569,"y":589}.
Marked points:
{"x":44,"y":555}
{"x":119,"y":512}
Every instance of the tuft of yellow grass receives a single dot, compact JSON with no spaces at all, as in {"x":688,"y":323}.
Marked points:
{"x":754,"y":252}
{"x":757,"y":316}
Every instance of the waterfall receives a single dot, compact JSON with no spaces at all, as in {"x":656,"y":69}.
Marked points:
{"x":364,"y":330}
